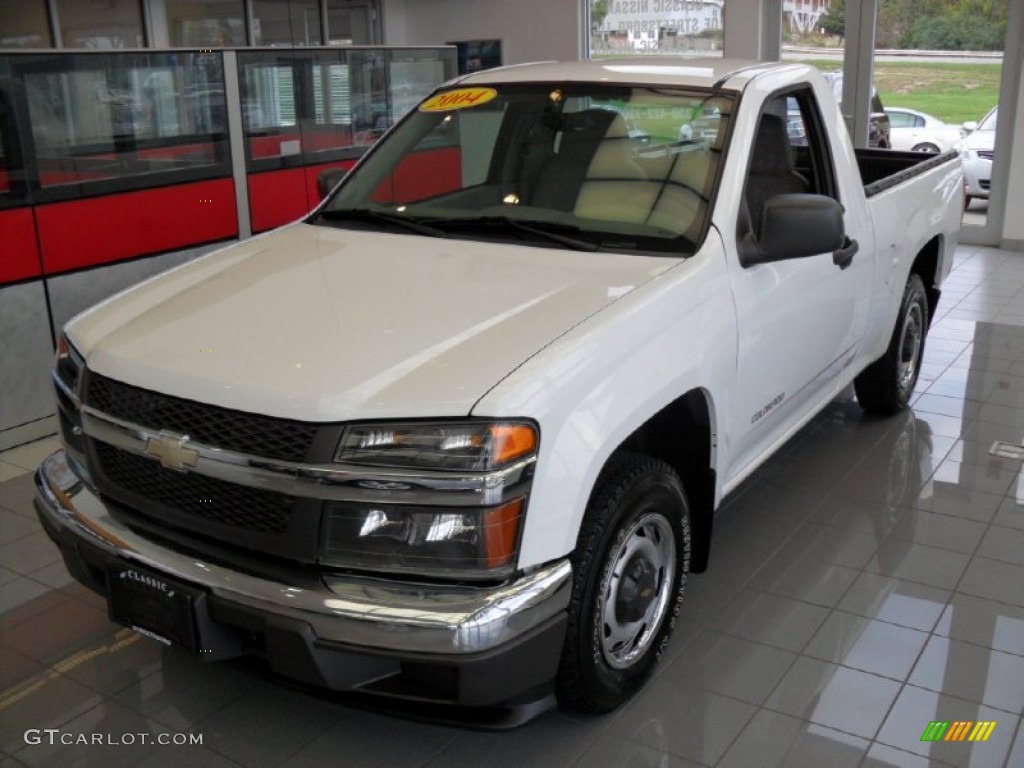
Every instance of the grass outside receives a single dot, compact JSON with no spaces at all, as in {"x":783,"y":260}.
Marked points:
{"x":950,"y":91}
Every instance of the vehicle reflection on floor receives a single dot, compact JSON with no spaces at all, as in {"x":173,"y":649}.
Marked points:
{"x":868,"y":580}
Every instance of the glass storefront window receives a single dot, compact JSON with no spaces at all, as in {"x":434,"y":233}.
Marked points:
{"x":302,"y":107}
{"x":117,"y":25}
{"x":349,"y":22}
{"x":12,"y":186}
{"x":477,"y":55}
{"x":412,"y":75}
{"x":371,"y":114}
{"x":286,"y":22}
{"x":691,"y":28}
{"x":24,"y":24}
{"x":102,"y":117}
{"x":209,"y":24}
{"x":269,"y":84}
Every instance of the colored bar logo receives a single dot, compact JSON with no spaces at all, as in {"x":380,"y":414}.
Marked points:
{"x":958,"y":730}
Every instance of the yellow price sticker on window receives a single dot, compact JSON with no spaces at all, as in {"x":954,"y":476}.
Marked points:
{"x":460,"y":98}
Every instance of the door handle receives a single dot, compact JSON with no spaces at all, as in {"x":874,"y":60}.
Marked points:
{"x":844,"y":256}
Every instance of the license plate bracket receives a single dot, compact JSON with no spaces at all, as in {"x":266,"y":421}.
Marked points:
{"x":153,"y":605}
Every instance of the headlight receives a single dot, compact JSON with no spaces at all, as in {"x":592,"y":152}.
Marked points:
{"x":465,"y":445}
{"x":433,"y":541}
{"x":442,"y":541}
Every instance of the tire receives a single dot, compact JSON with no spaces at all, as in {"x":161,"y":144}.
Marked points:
{"x":885,"y":386}
{"x":926,"y":147}
{"x":629,"y":576}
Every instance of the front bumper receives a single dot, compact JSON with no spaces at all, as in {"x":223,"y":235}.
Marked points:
{"x":454,"y":644}
{"x":977,"y":174}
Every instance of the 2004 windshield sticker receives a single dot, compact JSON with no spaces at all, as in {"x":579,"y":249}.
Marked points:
{"x":460,"y":98}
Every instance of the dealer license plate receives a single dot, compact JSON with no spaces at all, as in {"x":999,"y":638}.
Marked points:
{"x":152,"y":605}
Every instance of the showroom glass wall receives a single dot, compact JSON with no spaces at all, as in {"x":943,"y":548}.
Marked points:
{"x":942,"y":58}
{"x":959,"y":85}
{"x":119,"y":24}
{"x":680,"y":28}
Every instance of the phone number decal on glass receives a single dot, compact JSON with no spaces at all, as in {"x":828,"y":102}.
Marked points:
{"x":460,"y":98}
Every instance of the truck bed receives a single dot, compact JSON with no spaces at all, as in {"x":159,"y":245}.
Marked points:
{"x":881,"y":169}
{"x":884,"y":168}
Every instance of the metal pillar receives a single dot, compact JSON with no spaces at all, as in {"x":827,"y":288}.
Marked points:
{"x":858,"y":65}
{"x":753,"y":29}
{"x":236,"y":141}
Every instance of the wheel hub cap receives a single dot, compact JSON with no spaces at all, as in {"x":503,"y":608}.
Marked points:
{"x":637,"y":590}
{"x":910,"y":347}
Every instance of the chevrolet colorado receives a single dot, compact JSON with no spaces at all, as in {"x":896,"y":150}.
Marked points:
{"x":458,"y":436}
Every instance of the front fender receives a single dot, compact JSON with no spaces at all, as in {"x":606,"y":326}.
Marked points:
{"x":595,"y":386}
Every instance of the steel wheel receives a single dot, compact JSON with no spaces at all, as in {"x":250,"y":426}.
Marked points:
{"x":885,"y":386}
{"x":636,"y":594}
{"x":910,"y":346}
{"x":629,"y":575}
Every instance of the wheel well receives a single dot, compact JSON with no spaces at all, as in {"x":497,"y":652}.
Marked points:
{"x":926,"y":264}
{"x":680,"y":434}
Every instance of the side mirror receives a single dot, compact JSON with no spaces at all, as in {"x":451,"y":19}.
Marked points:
{"x":796,"y":226}
{"x":328,"y":179}
{"x":969,"y":127}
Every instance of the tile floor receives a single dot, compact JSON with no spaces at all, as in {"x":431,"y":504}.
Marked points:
{"x":868,"y":580}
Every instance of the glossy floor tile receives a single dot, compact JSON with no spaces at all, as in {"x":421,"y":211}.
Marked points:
{"x":866,"y":581}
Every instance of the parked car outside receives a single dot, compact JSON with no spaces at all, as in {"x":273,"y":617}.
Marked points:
{"x":976,"y":152}
{"x":914,"y":131}
{"x":878,"y":127}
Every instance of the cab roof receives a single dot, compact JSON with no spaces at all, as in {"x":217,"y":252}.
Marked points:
{"x":731,"y":74}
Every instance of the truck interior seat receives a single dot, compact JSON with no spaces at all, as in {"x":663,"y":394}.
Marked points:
{"x":592,"y":145}
{"x":772,"y":171}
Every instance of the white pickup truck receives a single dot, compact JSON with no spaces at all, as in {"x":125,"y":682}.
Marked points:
{"x":459,"y":435}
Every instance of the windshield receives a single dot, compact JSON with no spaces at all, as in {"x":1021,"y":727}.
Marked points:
{"x":580,"y":166}
{"x":988,"y":123}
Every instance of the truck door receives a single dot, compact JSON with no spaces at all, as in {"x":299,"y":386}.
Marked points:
{"x":799,"y":320}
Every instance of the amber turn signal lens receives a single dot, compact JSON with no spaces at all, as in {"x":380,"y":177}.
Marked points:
{"x":501,"y":529}
{"x":510,"y":441}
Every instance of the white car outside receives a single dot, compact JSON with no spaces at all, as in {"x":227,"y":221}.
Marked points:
{"x":916,"y":131}
{"x":976,"y":152}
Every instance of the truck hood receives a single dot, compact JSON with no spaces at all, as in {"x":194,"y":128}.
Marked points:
{"x":980,"y":140}
{"x":324,"y":324}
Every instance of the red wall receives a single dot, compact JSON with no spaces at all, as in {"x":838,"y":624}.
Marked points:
{"x":19,"y":256}
{"x":278,"y":197}
{"x":99,"y":230}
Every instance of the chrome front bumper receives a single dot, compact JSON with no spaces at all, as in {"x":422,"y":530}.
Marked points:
{"x":374,"y":614}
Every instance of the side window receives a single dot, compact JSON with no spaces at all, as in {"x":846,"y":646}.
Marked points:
{"x":790,"y":155}
{"x":900,"y":119}
{"x":812,"y":154}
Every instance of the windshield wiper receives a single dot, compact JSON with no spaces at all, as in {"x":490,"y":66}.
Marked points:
{"x":534,"y":228}
{"x":380,"y":217}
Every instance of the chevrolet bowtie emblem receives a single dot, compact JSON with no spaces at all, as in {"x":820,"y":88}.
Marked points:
{"x":170,"y":448}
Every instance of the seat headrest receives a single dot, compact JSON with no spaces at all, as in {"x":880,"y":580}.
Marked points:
{"x":773,"y":154}
{"x":585,"y":131}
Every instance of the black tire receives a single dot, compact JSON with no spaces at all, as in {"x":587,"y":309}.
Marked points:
{"x":629,"y":576}
{"x":926,"y":146}
{"x":885,"y":386}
